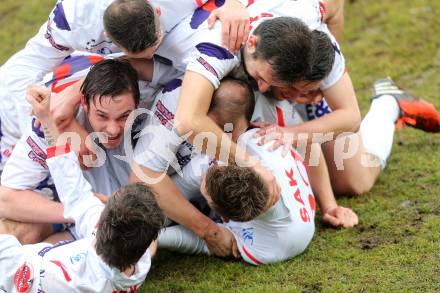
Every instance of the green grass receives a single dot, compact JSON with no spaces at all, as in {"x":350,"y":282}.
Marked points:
{"x":396,"y":245}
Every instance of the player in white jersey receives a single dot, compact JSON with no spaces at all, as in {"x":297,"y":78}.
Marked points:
{"x":117,"y":240}
{"x":209,"y":62}
{"x":110,"y":95}
{"x":78,"y":26}
{"x":263,"y":233}
{"x":158,"y":149}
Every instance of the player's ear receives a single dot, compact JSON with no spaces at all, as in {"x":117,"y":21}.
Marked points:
{"x":251,"y":43}
{"x":84,"y":104}
{"x":158,"y":11}
{"x":224,"y":219}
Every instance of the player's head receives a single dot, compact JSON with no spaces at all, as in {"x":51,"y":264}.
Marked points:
{"x":129,"y":223}
{"x":134,"y":26}
{"x":233,"y":102}
{"x":283,"y":51}
{"x":235,"y":193}
{"x":110,"y":93}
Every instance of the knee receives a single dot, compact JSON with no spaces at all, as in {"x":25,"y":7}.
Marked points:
{"x":354,"y":186}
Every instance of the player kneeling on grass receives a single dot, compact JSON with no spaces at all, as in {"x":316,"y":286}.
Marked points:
{"x":264,"y":233}
{"x":117,"y":240}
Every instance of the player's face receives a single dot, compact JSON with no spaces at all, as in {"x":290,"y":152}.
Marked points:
{"x":109,"y":115}
{"x":261,"y":71}
{"x":302,"y":92}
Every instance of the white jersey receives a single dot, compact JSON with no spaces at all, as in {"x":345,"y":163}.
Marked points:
{"x":285,"y":112}
{"x":282,"y":232}
{"x":67,"y":266}
{"x":159,"y":146}
{"x":73,"y":25}
{"x":192,"y":46}
{"x":27,"y":168}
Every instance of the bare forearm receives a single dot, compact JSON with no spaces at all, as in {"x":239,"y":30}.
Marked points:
{"x":175,"y":205}
{"x":29,"y":206}
{"x":320,"y":182}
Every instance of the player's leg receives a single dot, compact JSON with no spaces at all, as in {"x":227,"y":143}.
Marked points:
{"x":357,"y":173}
{"x":26,"y":233}
{"x":372,"y":145}
{"x":178,"y":238}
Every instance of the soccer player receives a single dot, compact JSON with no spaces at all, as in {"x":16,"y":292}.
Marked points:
{"x":117,"y":240}
{"x":79,"y":26}
{"x":264,"y":232}
{"x":158,"y":148}
{"x":111,"y":93}
{"x":354,"y":172}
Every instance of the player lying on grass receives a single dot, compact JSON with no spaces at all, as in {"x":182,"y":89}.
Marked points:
{"x":110,"y":94}
{"x":117,"y":240}
{"x":231,"y":108}
{"x":354,"y":169}
{"x":78,"y":26}
{"x":264,"y":232}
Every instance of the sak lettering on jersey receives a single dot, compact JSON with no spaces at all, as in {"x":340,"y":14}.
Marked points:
{"x":303,"y":213}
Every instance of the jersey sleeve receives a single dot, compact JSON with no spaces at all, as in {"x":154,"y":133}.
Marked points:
{"x":75,"y":193}
{"x":27,"y":168}
{"x":159,"y":141}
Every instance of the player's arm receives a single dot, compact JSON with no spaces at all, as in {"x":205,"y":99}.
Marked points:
{"x":29,"y":206}
{"x":334,"y":17}
{"x":80,"y":204}
{"x":345,"y":115}
{"x":332,"y":213}
{"x":179,"y":209}
{"x":192,"y":118}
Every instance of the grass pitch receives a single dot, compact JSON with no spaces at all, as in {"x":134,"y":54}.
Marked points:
{"x":396,"y":245}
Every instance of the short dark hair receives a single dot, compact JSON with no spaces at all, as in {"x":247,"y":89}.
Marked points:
{"x":293,"y":50}
{"x":129,"y":223}
{"x":230,"y":103}
{"x":132,"y":24}
{"x":237,"y":193}
{"x":109,"y":78}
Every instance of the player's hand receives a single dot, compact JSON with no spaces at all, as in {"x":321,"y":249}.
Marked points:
{"x":277,"y":134}
{"x":64,"y":106}
{"x":340,"y":216}
{"x":221,"y":242}
{"x":39,"y":98}
{"x":235,"y":24}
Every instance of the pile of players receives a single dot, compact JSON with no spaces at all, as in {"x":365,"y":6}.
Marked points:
{"x":196,"y":126}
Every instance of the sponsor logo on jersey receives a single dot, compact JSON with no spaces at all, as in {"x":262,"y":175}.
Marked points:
{"x":77,"y":258}
{"x":248,"y":235}
{"x":317,"y":111}
{"x":207,"y":66}
{"x":164,"y":115}
{"x":24,"y":278}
